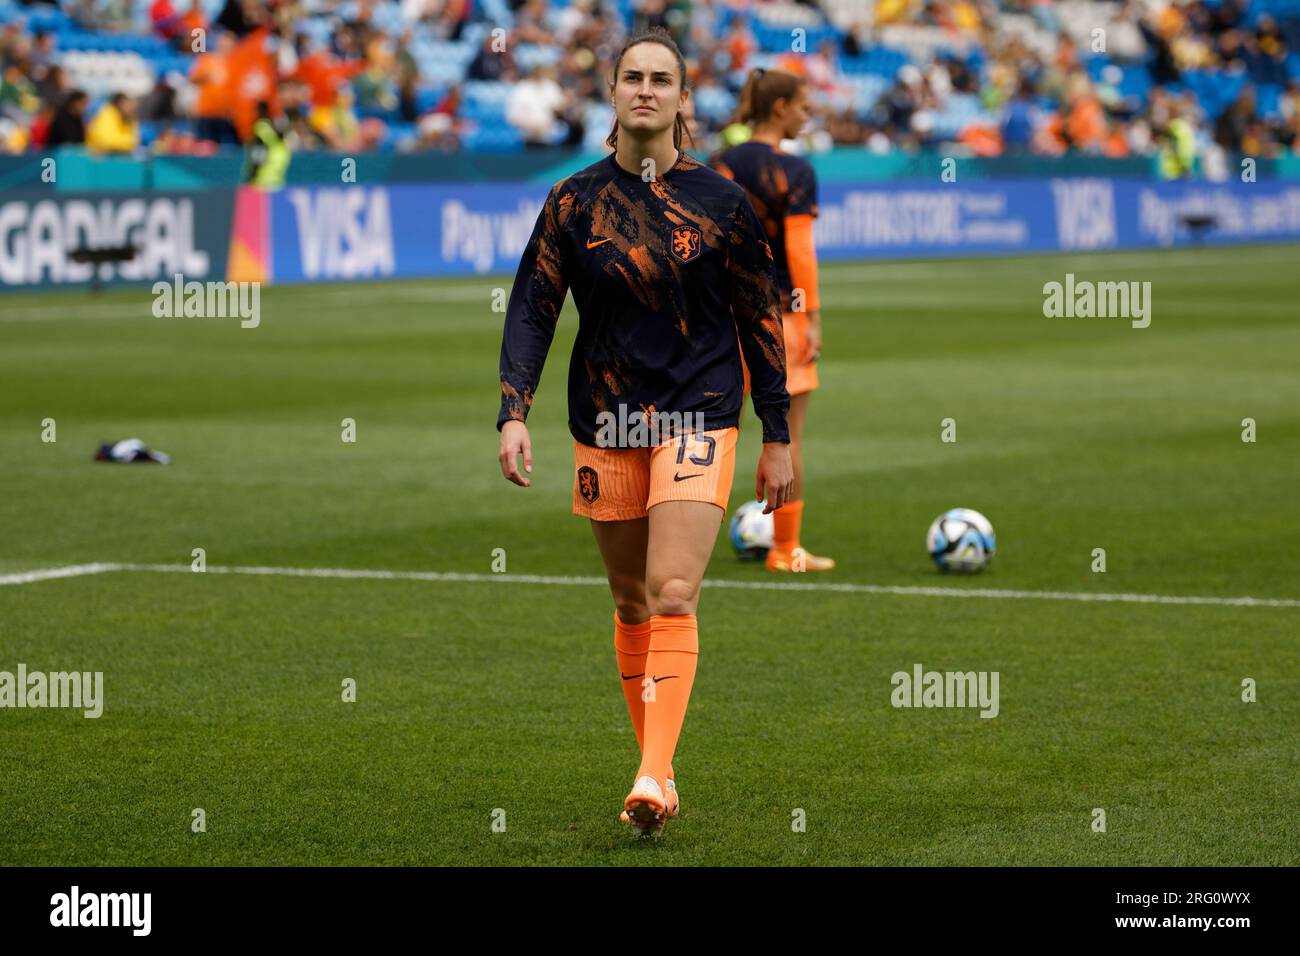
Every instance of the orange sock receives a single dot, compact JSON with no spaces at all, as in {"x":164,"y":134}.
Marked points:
{"x":631,"y":644}
{"x":786,"y":522}
{"x":670,"y":666}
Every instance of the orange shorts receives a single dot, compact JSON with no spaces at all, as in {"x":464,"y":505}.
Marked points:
{"x":800,"y":373}
{"x":618,"y":484}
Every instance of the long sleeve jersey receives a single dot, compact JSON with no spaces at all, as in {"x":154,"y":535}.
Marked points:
{"x":780,"y":186}
{"x":672,"y":277}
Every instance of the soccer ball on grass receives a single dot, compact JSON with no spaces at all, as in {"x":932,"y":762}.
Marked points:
{"x":751,"y":531}
{"x":961,"y":540}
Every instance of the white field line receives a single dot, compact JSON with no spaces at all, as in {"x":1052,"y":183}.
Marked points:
{"x":839,"y":272}
{"x":562,"y":580}
{"x":339,"y":298}
{"x":48,"y":574}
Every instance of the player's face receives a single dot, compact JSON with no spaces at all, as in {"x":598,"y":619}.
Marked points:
{"x":648,"y":90}
{"x":797,"y":113}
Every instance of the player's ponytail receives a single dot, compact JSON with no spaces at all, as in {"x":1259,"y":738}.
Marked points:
{"x":761,"y":91}
{"x":660,"y":36}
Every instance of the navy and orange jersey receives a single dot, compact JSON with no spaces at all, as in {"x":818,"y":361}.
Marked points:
{"x":667,"y":275}
{"x":779,"y":185}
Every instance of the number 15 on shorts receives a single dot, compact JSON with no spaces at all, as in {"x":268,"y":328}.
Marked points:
{"x":707,"y":440}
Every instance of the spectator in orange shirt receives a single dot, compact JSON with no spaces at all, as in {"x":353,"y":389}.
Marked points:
{"x":739,"y":44}
{"x":1085,"y":121}
{"x":190,"y":25}
{"x":1116,"y":144}
{"x":1049,"y":138}
{"x":323,"y":73}
{"x":211,"y":74}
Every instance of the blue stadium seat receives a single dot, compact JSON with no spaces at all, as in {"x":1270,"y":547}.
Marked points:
{"x":486,"y":92}
{"x":497,"y":11}
{"x":960,"y":110}
{"x":45,"y":19}
{"x":1267,"y":97}
{"x":494,"y":139}
{"x":428,"y":97}
{"x":715,"y":104}
{"x":597,"y":120}
{"x":397,"y":135}
{"x":1214,"y":89}
{"x":878,"y":60}
{"x":485,"y":113}
{"x":529,"y":56}
{"x":1096,"y":65}
{"x":867,"y":90}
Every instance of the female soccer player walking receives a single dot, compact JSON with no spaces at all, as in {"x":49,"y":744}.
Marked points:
{"x":669,"y":267}
{"x":783,"y":191}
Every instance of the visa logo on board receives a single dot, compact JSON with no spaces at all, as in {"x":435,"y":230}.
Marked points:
{"x":344,"y":233}
{"x":1085,"y":213}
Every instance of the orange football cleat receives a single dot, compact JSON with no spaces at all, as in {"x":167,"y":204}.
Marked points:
{"x":797,"y":561}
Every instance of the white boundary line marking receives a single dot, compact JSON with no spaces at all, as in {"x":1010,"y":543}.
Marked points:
{"x":76,"y":570}
{"x":48,"y":574}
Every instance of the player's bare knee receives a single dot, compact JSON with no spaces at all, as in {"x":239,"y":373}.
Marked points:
{"x":630,"y":600}
{"x":632,"y":612}
{"x":673,"y":596}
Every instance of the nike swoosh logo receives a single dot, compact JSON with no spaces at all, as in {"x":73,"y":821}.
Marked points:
{"x":630,"y":676}
{"x":684,"y":477}
{"x":669,"y":677}
{"x":593,"y":245}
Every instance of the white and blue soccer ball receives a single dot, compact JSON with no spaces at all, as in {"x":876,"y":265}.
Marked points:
{"x":751,"y":531}
{"x":961,"y":540}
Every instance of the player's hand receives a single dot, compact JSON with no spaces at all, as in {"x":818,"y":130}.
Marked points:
{"x":775,"y":475}
{"x":515,"y":442}
{"x":814,"y":336}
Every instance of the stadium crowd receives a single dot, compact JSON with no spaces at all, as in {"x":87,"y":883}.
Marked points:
{"x":1176,"y":80}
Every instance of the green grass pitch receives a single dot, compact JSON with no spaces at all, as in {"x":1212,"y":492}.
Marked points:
{"x":223,"y":692}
